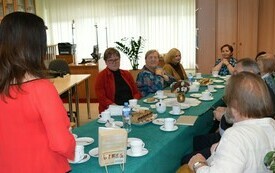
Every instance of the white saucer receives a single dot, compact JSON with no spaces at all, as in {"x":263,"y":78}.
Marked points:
{"x":163,"y":129}
{"x":143,"y":152}
{"x":213,"y":91}
{"x":129,"y":140}
{"x":218,"y":81}
{"x":160,"y":97}
{"x":85,"y":159}
{"x":158,"y":121}
{"x":136,"y":109}
{"x":206,"y":99}
{"x":145,"y":101}
{"x":94,"y":152}
{"x":84,"y":141}
{"x":219,"y":86}
{"x":172,"y":113}
{"x":223,"y":77}
{"x":115,"y":124}
{"x":101,"y":121}
{"x":196,"y":95}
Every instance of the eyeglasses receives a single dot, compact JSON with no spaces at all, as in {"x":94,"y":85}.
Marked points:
{"x":112,"y":61}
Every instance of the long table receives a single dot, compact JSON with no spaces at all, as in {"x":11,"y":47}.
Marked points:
{"x":66,"y":83}
{"x":165,"y":148}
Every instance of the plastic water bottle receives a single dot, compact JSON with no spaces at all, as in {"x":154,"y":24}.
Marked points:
{"x":190,"y":78}
{"x":126,"y":116}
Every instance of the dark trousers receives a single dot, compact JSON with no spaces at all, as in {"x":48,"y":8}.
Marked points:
{"x":202,"y":145}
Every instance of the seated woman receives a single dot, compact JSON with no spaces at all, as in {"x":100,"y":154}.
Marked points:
{"x":173,"y":66}
{"x":113,"y":85}
{"x":242,"y":147}
{"x":152,"y":78}
{"x":226,"y":64}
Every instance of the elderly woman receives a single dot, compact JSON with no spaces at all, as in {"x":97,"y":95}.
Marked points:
{"x":173,"y":66}
{"x":152,"y":78}
{"x":226,"y":64}
{"x":242,"y":147}
{"x":113,"y":85}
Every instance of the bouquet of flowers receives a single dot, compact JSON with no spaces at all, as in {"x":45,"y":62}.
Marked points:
{"x":179,"y":87}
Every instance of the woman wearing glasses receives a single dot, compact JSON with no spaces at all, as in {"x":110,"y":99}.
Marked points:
{"x":113,"y":85}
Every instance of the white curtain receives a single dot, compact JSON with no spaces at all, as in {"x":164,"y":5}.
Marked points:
{"x":164,"y":24}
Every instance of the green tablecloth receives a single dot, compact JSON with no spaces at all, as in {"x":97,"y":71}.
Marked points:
{"x":165,"y":148}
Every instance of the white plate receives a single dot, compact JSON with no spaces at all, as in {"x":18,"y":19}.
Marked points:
{"x":160,"y":97}
{"x":173,"y":101}
{"x":143,"y":152}
{"x":219,"y":86}
{"x":213,"y":91}
{"x":198,"y":77}
{"x":196,"y":95}
{"x":145,"y":101}
{"x":129,"y":140}
{"x":94,"y":152}
{"x":172,"y":113}
{"x":136,"y":109}
{"x":115,"y":124}
{"x":85,"y":159}
{"x":101,"y":121}
{"x":223,"y":77}
{"x":143,"y":123}
{"x":206,"y":99}
{"x":84,"y":141}
{"x":159,"y":121}
{"x":184,"y":106}
{"x":163,"y":129}
{"x":218,"y":81}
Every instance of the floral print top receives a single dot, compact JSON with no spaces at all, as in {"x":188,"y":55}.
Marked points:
{"x":148,"y":82}
{"x":224,"y":70}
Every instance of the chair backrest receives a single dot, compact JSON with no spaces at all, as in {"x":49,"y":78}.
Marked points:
{"x":60,"y":66}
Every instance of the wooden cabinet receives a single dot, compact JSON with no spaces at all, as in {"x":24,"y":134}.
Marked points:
{"x":237,"y":25}
{"x":9,"y":6}
{"x":86,"y":69}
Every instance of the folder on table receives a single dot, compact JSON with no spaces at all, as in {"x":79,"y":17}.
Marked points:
{"x":187,"y":120}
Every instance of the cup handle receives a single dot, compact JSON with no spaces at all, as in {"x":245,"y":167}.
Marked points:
{"x":210,"y":94}
{"x":175,"y":122}
{"x":143,"y":144}
{"x":99,"y":116}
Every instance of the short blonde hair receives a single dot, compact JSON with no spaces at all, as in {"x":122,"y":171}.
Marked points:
{"x":248,"y":94}
{"x":268,"y":63}
{"x":171,"y":55}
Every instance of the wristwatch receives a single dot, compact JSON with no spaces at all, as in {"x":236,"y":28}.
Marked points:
{"x":197,"y":165}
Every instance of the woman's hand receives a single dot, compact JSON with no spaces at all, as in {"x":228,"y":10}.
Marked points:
{"x":197,"y":158}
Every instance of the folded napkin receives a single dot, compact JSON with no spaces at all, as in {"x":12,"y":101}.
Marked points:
{"x":186,"y":120}
{"x":115,"y":110}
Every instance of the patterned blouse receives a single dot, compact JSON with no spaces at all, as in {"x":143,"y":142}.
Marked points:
{"x":148,"y":82}
{"x":224,"y":70}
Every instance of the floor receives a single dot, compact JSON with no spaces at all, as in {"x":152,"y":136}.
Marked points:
{"x":83,"y":116}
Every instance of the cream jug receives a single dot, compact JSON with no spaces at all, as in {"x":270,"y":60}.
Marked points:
{"x":161,"y":106}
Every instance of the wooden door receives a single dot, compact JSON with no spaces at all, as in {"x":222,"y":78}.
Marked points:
{"x":266,"y":29}
{"x":226,"y":24}
{"x":247,"y":28}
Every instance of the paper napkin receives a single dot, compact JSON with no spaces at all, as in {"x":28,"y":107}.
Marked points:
{"x":188,"y":120}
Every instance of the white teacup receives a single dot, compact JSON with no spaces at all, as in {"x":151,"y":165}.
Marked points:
{"x":176,"y":109}
{"x":198,"y":75}
{"x":210,"y":88}
{"x":215,"y":73}
{"x":133,"y":102}
{"x":105,"y":115}
{"x":160,"y":93}
{"x":206,"y":94}
{"x":169,"y":123}
{"x":79,"y":153}
{"x":136,"y":147}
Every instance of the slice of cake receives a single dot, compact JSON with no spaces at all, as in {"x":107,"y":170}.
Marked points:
{"x":142,"y":116}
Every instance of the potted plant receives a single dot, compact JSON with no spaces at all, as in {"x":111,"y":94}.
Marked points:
{"x":132,"y":49}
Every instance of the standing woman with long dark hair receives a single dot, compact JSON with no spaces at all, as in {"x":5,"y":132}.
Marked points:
{"x":34,"y":127}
